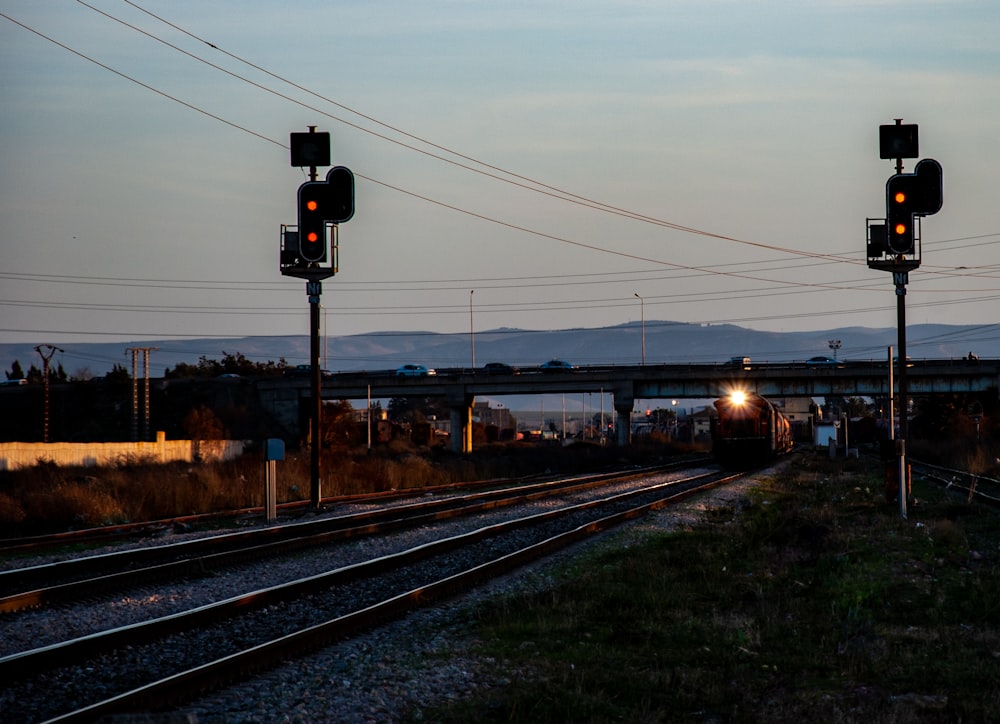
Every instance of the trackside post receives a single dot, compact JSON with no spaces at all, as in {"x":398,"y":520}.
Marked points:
{"x":274,"y":450}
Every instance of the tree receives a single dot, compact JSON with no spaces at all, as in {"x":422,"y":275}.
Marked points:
{"x":16,"y":373}
{"x":857,"y":407}
{"x":57,"y":374}
{"x":203,"y":424}
{"x":82,"y":374}
{"x":340,"y":425}
{"x":231,"y":364}
{"x":35,"y":376}
{"x":416,"y":409}
{"x":118,"y":373}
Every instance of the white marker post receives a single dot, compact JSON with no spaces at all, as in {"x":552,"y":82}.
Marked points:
{"x":274,"y":450}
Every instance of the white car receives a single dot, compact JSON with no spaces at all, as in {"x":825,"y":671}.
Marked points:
{"x":414,"y":371}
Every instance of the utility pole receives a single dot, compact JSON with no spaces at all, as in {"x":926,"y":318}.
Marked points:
{"x":135,"y":392}
{"x":472,"y":330}
{"x":642,"y":311}
{"x":52,"y":349}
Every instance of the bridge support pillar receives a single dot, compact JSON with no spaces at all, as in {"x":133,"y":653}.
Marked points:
{"x":624,"y":423}
{"x":461,"y":426}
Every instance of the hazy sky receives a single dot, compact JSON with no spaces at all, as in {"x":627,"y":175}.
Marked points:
{"x":717,"y":158}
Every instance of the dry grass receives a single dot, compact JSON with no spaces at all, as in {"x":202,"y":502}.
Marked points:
{"x":50,"y":498}
{"x":981,"y":458}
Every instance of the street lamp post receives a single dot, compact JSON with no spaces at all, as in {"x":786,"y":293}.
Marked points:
{"x":834,"y":345}
{"x":472,"y":330}
{"x":642,"y":311}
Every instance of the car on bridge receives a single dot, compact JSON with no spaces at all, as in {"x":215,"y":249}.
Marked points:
{"x":299,"y":371}
{"x":740,"y":363}
{"x":415,"y":371}
{"x":823,"y":362}
{"x":557,"y":365}
{"x":500,"y":368}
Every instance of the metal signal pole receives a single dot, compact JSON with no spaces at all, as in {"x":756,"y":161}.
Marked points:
{"x":895,"y":246}
{"x":310,"y":253}
{"x":314,"y":289}
{"x":900,"y":279}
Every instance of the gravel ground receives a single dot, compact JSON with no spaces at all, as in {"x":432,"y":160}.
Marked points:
{"x":426,"y":659}
{"x":42,"y":627}
{"x":388,"y":675}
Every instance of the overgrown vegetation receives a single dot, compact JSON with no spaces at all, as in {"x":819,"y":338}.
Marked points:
{"x":813,"y":600}
{"x":50,"y":498}
{"x":230,"y":364}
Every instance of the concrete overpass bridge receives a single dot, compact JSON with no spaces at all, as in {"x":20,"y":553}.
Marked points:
{"x":286,"y":397}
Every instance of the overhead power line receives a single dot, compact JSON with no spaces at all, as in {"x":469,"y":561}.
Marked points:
{"x":535,"y":184}
{"x":508,"y":176}
{"x":483,"y":217}
{"x":714,"y":270}
{"x":506,"y":282}
{"x":565,"y":195}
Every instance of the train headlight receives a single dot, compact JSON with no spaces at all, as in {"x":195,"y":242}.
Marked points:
{"x":738,"y":397}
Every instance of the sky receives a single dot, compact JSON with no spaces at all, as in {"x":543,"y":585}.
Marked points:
{"x":536,"y":165}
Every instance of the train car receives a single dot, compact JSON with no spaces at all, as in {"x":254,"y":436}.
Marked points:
{"x":749,"y":430}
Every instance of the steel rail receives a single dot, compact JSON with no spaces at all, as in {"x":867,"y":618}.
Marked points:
{"x":187,"y":555}
{"x":125,"y":531}
{"x":184,"y":685}
{"x":199,"y":564}
{"x":33,"y":661}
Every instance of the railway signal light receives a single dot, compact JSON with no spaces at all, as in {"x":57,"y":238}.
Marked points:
{"x":320,"y":203}
{"x":340,"y":179}
{"x":899,"y":214}
{"x":909,"y":195}
{"x":313,"y":209}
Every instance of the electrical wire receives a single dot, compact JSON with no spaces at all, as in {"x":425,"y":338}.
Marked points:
{"x":465,"y":211}
{"x":711,"y":270}
{"x":523,"y":229}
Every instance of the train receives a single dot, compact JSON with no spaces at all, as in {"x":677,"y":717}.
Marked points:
{"x":749,"y":430}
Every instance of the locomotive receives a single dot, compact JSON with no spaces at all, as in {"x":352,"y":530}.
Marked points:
{"x":749,"y":430}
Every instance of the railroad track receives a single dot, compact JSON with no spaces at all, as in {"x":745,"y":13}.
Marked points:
{"x":87,"y":576}
{"x":286,"y":620}
{"x":32,"y":545}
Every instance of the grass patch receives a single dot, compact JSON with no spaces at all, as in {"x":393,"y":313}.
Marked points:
{"x":814,"y":602}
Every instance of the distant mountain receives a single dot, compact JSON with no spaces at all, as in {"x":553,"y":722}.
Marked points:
{"x":665,"y":342}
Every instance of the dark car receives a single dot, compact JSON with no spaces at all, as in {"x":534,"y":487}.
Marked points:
{"x":557,"y":365}
{"x":500,"y":368}
{"x":299,"y":371}
{"x":823,"y":362}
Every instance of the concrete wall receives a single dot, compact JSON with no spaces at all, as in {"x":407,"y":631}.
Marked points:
{"x":17,"y":455}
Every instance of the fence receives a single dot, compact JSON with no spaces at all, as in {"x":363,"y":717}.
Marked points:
{"x":18,"y":455}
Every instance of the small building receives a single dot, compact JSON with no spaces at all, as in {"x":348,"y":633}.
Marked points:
{"x":824,"y":432}
{"x":701,"y":422}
